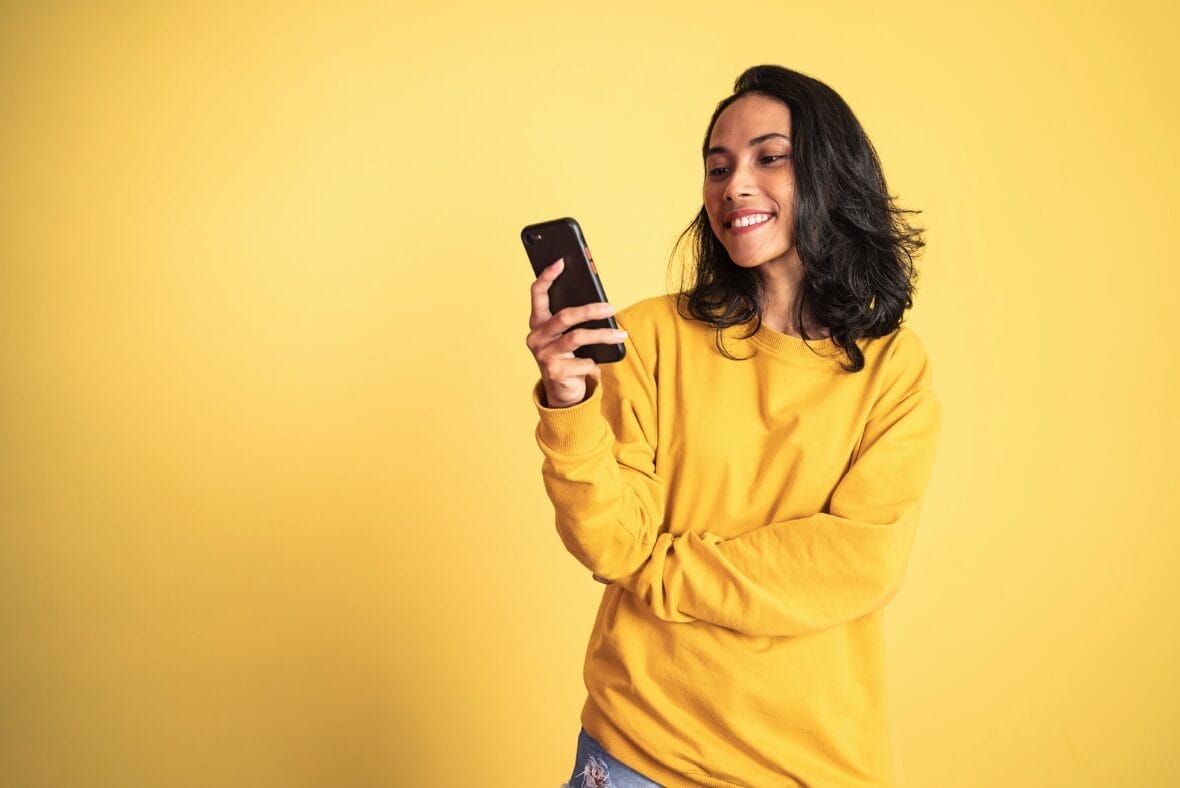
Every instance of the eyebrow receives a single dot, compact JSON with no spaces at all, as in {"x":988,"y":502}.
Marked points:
{"x":752,"y":143}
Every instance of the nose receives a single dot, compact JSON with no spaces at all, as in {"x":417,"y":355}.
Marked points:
{"x":740,"y":184}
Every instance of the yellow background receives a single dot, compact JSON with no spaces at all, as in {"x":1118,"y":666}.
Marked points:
{"x":271,"y":507}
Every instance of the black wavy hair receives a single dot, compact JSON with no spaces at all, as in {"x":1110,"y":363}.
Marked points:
{"x":856,"y":246}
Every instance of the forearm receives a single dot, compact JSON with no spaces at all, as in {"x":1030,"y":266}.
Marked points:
{"x":607,"y":512}
{"x":806,"y":574}
{"x":783,"y":579}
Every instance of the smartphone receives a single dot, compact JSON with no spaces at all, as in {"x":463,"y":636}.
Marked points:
{"x":578,"y":283}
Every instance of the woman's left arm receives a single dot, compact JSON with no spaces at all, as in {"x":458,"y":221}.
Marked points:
{"x":807,"y":574}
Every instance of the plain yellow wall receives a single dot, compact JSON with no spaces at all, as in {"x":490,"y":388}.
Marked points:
{"x":270,"y":503}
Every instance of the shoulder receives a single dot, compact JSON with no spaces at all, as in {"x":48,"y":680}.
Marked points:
{"x":901,"y":352}
{"x":655,"y":327}
{"x":650,"y":313}
{"x":897,"y":368}
{"x":657,"y":335}
{"x":905,"y":348}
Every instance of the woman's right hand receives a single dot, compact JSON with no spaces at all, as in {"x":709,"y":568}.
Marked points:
{"x":564,"y":375}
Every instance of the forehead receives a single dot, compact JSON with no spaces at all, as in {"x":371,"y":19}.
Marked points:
{"x":748,"y":117}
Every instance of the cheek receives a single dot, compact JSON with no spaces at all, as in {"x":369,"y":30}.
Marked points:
{"x":712,"y":200}
{"x":713,"y":222}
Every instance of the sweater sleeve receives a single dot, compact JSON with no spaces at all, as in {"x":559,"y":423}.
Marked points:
{"x":802,"y":575}
{"x":600,"y":474}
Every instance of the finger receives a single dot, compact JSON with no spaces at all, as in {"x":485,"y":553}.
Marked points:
{"x":564,"y":345}
{"x":574,"y":315}
{"x":564,"y":368}
{"x":580,"y":337}
{"x":540,"y":293}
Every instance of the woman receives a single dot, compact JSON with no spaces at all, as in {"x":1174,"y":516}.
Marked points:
{"x":747,"y":480}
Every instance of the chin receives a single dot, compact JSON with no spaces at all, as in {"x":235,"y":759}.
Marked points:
{"x":757,"y":260}
{"x":751,"y":261}
{"x":751,"y":264}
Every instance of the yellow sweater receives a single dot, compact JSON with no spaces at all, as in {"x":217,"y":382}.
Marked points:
{"x":753,"y":517}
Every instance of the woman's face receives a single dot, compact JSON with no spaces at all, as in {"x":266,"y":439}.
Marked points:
{"x":749,"y":190}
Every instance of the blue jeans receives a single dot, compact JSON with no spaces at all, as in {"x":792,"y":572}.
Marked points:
{"x":594,"y":768}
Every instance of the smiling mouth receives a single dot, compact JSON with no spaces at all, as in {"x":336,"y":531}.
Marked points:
{"x":749,"y":220}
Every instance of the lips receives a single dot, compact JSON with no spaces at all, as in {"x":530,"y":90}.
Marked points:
{"x":746,"y":218}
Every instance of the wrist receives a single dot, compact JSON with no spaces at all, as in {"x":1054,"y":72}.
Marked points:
{"x":549,"y":400}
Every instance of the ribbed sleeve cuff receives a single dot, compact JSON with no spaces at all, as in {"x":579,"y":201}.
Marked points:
{"x":578,"y":429}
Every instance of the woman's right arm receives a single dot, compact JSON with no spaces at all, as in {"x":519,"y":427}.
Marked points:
{"x":599,"y":474}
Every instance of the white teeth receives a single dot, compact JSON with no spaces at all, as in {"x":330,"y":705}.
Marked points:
{"x":746,"y":221}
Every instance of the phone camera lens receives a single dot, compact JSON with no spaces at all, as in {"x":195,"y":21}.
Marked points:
{"x":532,"y":238}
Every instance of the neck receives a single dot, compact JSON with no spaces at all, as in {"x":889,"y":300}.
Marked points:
{"x":782,"y":282}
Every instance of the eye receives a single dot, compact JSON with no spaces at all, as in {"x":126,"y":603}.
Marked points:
{"x":717,"y":172}
{"x":774,"y":158}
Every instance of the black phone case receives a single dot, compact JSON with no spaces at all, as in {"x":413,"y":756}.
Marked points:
{"x":578,"y":283}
